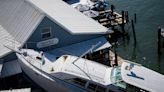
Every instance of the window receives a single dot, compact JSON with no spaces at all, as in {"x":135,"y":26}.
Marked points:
{"x":78,"y":81}
{"x":92,"y":86}
{"x":39,"y":58}
{"x":96,"y":88}
{"x":46,"y":32}
{"x":100,"y":89}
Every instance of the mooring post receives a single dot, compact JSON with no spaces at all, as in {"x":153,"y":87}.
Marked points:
{"x":134,"y":34}
{"x":127,"y":16}
{"x":112,"y":9}
{"x":135,"y":18}
{"x":159,"y":40}
{"x":116,"y":60}
{"x":115,"y":52}
{"x":123,"y":29}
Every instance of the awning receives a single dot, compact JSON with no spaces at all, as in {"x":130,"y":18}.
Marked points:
{"x":142,"y":77}
{"x":80,"y":48}
{"x":10,"y":68}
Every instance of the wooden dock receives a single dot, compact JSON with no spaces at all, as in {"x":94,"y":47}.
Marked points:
{"x":106,"y":57}
{"x":112,"y":59}
{"x":107,"y":19}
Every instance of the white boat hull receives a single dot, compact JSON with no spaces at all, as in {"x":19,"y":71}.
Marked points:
{"x":44,"y":81}
{"x":48,"y":85}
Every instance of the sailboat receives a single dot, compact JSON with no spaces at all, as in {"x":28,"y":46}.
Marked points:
{"x":69,"y":73}
{"x":66,"y":73}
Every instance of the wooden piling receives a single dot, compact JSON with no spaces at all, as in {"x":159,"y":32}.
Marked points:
{"x":123,"y":24}
{"x":159,"y":40}
{"x":116,"y":60}
{"x":135,"y":18}
{"x":134,"y":34}
{"x":112,"y":9}
{"x":127,"y":16}
{"x":115,"y":52}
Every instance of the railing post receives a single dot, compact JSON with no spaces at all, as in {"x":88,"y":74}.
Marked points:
{"x":134,"y":34}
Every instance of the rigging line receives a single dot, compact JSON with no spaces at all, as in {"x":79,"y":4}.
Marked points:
{"x":89,"y":50}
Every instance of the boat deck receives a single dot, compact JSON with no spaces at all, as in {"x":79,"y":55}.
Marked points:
{"x":142,"y":77}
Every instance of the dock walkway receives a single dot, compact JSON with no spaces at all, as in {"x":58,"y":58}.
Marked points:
{"x":107,"y":19}
{"x":104,"y":15}
{"x":112,"y":59}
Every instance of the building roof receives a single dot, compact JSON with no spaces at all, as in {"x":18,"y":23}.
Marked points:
{"x":19,"y":18}
{"x":17,"y":22}
{"x":69,"y":18}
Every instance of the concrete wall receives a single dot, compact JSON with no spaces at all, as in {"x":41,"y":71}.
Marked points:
{"x":65,"y":38}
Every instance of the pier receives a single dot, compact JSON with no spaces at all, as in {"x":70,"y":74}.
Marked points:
{"x":109,"y":19}
{"x":101,"y":12}
{"x":113,"y":58}
{"x":106,"y":57}
{"x":160,"y":37}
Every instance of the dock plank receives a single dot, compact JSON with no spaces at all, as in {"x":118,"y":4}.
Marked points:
{"x":113,"y":20}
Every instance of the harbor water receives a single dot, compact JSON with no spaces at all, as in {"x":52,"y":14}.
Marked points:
{"x":150,"y":15}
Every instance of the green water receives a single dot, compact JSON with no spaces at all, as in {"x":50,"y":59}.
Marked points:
{"x":150,"y":15}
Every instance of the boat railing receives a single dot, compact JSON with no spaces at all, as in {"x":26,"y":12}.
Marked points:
{"x":32,"y":61}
